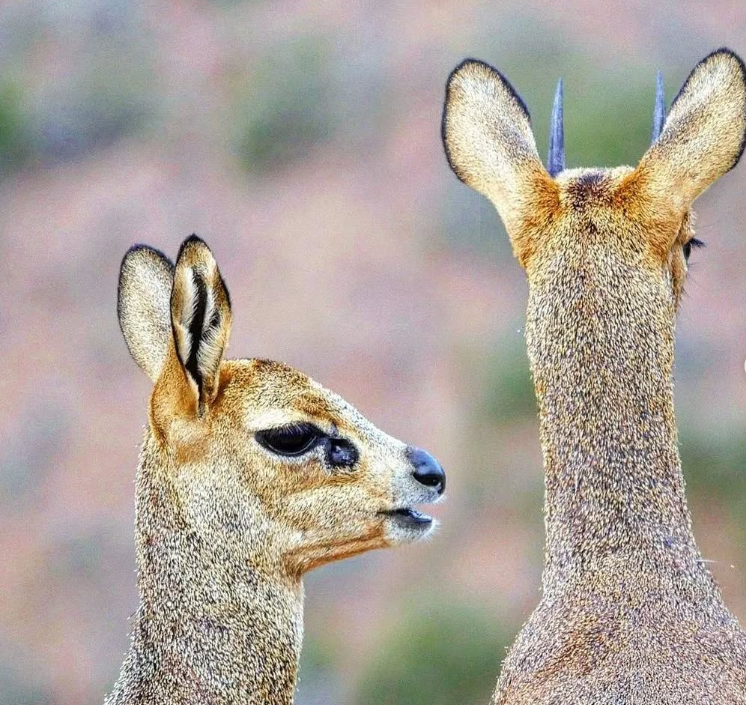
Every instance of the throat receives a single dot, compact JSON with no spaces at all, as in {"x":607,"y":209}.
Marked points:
{"x":614,"y":486}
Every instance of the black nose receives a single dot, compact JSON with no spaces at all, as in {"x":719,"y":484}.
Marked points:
{"x":427,"y":470}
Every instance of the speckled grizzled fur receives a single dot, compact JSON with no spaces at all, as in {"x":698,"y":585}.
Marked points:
{"x":629,"y":612}
{"x":225,"y":528}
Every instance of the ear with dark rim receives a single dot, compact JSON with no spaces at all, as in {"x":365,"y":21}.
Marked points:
{"x":144,"y":306}
{"x":489,"y":143}
{"x":200,"y":318}
{"x":703,"y":136}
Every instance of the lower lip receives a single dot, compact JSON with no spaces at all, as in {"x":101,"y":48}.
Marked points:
{"x":410,"y":517}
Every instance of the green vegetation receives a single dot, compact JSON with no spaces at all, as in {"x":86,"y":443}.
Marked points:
{"x":94,"y":109}
{"x":14,"y":138}
{"x":468,"y":221}
{"x":507,"y":390}
{"x":440,"y":653}
{"x":284,"y":112}
{"x":715,"y":469}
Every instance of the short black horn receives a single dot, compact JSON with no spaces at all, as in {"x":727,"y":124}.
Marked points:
{"x":659,"y":112}
{"x":556,"y":156}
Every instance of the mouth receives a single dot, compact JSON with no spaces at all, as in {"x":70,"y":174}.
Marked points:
{"x":407,"y":516}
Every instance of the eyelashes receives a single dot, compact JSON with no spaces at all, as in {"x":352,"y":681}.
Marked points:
{"x":689,"y":245}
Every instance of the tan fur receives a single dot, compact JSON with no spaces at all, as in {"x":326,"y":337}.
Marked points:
{"x":143,"y":310}
{"x":225,"y":528}
{"x":496,"y":152}
{"x":629,"y":613}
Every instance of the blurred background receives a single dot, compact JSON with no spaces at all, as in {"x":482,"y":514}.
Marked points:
{"x":301,"y":140}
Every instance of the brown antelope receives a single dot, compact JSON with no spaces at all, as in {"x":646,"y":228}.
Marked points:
{"x":250,"y":475}
{"x":629,"y":612}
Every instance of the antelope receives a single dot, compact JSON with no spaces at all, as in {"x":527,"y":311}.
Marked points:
{"x":629,"y":612}
{"x":250,"y":475}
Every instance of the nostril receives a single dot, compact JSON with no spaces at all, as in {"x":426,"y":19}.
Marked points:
{"x":427,"y":470}
{"x":429,"y":479}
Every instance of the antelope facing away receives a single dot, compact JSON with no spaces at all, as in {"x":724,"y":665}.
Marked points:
{"x":250,"y":475}
{"x":629,"y":613}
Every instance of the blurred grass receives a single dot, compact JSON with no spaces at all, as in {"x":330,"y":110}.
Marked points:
{"x":441,"y":652}
{"x":20,"y":685}
{"x":468,"y":222}
{"x":507,"y":390}
{"x":714,"y":464}
{"x":15,"y":145}
{"x":48,"y":115}
{"x":284,"y":112}
{"x":92,"y":110}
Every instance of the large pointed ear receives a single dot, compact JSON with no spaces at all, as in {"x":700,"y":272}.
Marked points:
{"x":489,"y":143}
{"x":200,"y":317}
{"x":144,"y":307}
{"x":703,"y":136}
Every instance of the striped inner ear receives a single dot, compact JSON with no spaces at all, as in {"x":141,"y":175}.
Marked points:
{"x":200,"y":316}
{"x":198,"y":332}
{"x":195,"y":328}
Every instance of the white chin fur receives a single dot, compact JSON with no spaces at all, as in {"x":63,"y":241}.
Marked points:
{"x":397,"y":532}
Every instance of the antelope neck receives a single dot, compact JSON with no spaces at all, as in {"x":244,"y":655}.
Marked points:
{"x":601,"y":362}
{"x":211,"y":627}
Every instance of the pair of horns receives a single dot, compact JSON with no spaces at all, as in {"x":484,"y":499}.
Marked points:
{"x":556,"y":155}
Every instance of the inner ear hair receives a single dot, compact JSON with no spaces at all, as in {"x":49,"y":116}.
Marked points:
{"x":201,"y":317}
{"x":196,"y":326}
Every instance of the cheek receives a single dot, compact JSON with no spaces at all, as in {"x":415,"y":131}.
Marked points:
{"x":349,"y":503}
{"x":273,"y":481}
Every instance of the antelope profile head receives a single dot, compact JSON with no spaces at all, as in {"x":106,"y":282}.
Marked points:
{"x":255,"y":453}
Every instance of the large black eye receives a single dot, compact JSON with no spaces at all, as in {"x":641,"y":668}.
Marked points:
{"x":690,"y":245}
{"x":292,"y":440}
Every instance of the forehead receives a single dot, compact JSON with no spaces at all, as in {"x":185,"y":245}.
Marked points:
{"x":268,"y":393}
